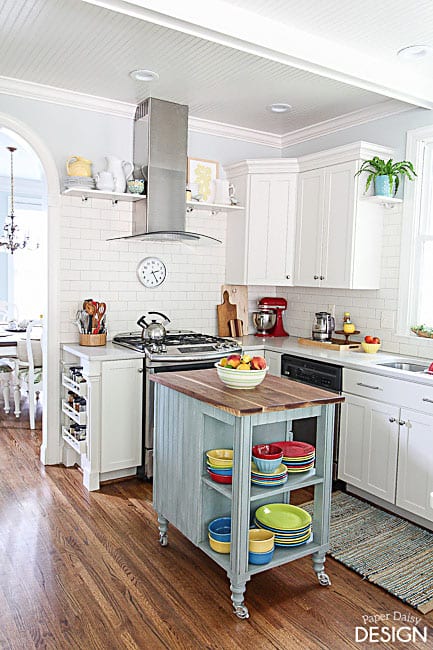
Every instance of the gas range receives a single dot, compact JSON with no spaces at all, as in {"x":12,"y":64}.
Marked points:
{"x":179,"y":346}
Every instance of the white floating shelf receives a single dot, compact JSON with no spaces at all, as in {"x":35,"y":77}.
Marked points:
{"x":385,"y":201}
{"x":211,"y":207}
{"x":99,"y":194}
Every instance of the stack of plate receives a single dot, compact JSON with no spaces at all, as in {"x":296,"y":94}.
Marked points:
{"x":219,"y":465}
{"x":297,"y":456}
{"x":277,"y":477}
{"x":291,"y":525}
{"x":79,"y":182}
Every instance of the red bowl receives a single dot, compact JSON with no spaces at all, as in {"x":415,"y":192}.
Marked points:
{"x":267,"y":452}
{"x":218,"y":478}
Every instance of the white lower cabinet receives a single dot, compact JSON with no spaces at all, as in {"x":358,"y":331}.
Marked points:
{"x":369,"y":446}
{"x":386,"y":450}
{"x":273,"y":361}
{"x":415,"y":463}
{"x":110,"y":447}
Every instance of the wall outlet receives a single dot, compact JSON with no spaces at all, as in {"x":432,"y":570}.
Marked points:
{"x":331,"y":310}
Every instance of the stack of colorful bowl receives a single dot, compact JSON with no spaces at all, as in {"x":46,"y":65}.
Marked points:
{"x":219,"y":465}
{"x":219,"y":533}
{"x":260,"y":546}
{"x":291,"y":525}
{"x":297,"y":456}
{"x":266,"y":466}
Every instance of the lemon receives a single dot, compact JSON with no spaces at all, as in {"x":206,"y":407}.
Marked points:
{"x":244,"y":366}
{"x":223,"y":362}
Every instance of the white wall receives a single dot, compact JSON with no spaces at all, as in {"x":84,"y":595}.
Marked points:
{"x":372,"y":311}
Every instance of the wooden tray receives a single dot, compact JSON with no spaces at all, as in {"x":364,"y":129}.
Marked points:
{"x":331,"y":345}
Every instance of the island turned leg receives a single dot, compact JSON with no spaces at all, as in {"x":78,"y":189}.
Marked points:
{"x":238,"y":590}
{"x":163,"y":530}
{"x":318,"y":566}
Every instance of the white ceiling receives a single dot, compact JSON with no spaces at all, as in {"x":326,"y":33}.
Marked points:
{"x":78,"y":46}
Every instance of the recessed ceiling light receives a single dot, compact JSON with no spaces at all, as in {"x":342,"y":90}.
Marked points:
{"x":279,"y":108}
{"x":144,"y":75}
{"x":415,"y":52}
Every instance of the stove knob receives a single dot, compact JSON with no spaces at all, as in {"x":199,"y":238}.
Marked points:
{"x":163,"y":348}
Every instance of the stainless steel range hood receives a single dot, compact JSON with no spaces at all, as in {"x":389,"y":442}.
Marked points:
{"x":160,"y":150}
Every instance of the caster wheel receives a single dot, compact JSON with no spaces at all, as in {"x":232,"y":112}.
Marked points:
{"x":241,"y":611}
{"x":324,"y":579}
{"x":163,"y":540}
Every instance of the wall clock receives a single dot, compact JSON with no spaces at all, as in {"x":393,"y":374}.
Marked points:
{"x":151,"y":272}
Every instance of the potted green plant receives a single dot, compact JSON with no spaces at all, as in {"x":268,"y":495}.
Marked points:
{"x":386,"y":175}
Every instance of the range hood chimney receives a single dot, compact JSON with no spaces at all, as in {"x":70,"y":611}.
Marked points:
{"x":160,"y":150}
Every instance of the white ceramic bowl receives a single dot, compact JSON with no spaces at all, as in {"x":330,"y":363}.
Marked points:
{"x":241,"y":379}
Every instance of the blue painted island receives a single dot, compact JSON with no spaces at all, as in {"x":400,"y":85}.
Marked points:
{"x":195,"y":412}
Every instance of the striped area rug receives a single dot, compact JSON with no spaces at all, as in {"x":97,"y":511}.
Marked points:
{"x":385,"y":549}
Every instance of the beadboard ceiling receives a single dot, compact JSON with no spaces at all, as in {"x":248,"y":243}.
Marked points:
{"x":83,"y":47}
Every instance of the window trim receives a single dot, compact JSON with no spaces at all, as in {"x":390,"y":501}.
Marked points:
{"x":416,"y":142}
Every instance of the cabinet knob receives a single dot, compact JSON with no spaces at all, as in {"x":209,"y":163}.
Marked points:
{"x":140,"y":370}
{"x":322,"y":277}
{"x":392,"y":419}
{"x":288,"y":277}
{"x":401,"y":422}
{"x":316,"y":277}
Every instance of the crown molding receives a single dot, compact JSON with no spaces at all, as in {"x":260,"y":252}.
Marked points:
{"x":262,"y":166}
{"x":358,"y":150}
{"x":52,"y":95}
{"x":355,"y":118}
{"x":234,"y":132}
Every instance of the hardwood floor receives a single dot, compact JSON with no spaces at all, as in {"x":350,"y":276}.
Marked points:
{"x":85,"y":571}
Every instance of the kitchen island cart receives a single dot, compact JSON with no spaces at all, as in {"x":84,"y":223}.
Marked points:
{"x":195,"y":412}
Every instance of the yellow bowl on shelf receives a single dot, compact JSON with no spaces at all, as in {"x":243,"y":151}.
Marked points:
{"x":222,"y":458}
{"x":219,"y":547}
{"x":370,"y":348}
{"x":260,"y":540}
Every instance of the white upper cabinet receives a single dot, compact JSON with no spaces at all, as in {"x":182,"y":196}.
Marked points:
{"x":338,"y":232}
{"x":260,"y":239}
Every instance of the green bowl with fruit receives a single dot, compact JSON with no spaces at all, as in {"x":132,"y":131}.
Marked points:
{"x":241,"y":371}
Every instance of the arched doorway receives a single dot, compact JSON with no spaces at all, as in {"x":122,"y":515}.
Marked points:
{"x":50,"y":452}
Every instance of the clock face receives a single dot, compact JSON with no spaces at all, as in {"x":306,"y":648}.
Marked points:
{"x":151,"y":272}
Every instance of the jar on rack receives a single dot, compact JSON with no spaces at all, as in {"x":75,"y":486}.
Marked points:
{"x":348,"y":326}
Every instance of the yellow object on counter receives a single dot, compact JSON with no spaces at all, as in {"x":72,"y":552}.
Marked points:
{"x":348,"y":328}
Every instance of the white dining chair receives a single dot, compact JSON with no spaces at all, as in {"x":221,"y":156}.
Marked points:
{"x":7,"y":367}
{"x":28,"y":371}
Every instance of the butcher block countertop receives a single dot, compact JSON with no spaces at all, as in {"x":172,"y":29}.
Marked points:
{"x":273,"y":394}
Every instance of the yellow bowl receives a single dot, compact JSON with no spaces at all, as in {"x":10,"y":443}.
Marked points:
{"x":222,"y":458}
{"x":260,"y":540}
{"x":219,"y":547}
{"x":370,"y":348}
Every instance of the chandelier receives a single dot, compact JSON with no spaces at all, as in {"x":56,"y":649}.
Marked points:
{"x":9,"y":239}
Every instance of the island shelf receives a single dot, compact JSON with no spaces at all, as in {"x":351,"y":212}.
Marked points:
{"x":194,"y":412}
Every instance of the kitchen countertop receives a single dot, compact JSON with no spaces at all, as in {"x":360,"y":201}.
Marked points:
{"x":273,"y":394}
{"x":354,"y":359}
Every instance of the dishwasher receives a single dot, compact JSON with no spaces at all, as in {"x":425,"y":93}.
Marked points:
{"x":322,"y":375}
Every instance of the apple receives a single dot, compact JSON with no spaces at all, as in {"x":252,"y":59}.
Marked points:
{"x":234,"y":357}
{"x":376,"y":340}
{"x":258,"y":363}
{"x":369,"y":339}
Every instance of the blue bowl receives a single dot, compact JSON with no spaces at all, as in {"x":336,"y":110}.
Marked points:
{"x":221,"y":472}
{"x":221,"y":529}
{"x":260,"y":558}
{"x":267,"y":466}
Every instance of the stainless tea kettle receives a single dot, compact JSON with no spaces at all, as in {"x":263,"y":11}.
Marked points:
{"x":154,"y":331}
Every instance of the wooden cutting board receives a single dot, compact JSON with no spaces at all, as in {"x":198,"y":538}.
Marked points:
{"x":238,"y":294}
{"x":225,"y":312}
{"x":354,"y":345}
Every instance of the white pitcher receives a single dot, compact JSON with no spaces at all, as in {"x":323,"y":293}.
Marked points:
{"x":104,"y":181}
{"x":117,"y":168}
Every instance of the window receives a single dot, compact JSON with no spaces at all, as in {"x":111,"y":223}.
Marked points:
{"x":416,"y":284}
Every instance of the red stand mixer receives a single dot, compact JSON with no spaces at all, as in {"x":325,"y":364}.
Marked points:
{"x":268,"y":319}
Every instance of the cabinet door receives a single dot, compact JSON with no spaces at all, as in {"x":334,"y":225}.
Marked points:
{"x":273,"y":360}
{"x":271,"y":229}
{"x":368,"y":446}
{"x":415,"y":464}
{"x":309,"y":228}
{"x":354,"y":413}
{"x":121,"y":414}
{"x":338,"y":220}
